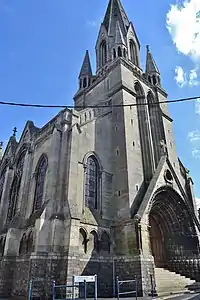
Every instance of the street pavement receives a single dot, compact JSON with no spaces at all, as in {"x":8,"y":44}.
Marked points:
{"x":172,"y":297}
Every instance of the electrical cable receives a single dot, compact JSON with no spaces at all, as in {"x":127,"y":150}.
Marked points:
{"x":96,"y":106}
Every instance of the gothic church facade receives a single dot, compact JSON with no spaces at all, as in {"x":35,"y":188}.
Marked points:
{"x":100,"y":188}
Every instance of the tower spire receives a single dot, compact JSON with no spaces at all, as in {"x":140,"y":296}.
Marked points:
{"x":119,"y":39}
{"x":152,"y":71}
{"x":86,"y":69}
{"x":115,"y":11}
{"x":86,"y":72}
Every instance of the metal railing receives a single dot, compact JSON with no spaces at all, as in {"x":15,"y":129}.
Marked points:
{"x":123,"y":282}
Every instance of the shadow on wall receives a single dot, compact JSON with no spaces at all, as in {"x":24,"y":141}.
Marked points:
{"x":96,"y":258}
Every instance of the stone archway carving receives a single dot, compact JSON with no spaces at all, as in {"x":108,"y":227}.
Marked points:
{"x":171,"y":228}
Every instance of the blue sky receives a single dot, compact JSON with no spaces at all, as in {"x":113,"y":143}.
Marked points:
{"x":42,"y":45}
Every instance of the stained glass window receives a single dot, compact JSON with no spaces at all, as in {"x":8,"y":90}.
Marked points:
{"x":2,"y":181}
{"x":15,"y":188}
{"x":40,"y":180}
{"x":91,"y":183}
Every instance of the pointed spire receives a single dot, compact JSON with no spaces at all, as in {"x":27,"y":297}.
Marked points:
{"x":119,"y":39}
{"x":86,"y":69}
{"x":115,"y":11}
{"x":151,"y":67}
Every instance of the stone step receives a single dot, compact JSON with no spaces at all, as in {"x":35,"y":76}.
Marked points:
{"x":171,"y":282}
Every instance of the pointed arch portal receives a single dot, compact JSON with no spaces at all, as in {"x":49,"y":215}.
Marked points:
{"x":171,"y":229}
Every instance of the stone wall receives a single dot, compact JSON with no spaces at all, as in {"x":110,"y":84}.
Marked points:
{"x":21,"y":276}
{"x":43,"y":269}
{"x":7,"y":267}
{"x":126,"y":268}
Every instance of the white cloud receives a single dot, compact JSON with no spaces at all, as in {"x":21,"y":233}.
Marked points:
{"x":92,"y":23}
{"x":196,"y":153}
{"x":193,"y":78}
{"x":95,"y":23}
{"x":180,"y":76}
{"x":183,"y":23}
{"x":198,"y":203}
{"x":197,"y":107}
{"x":194,"y":138}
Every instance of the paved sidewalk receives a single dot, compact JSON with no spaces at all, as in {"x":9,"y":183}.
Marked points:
{"x":187,"y":296}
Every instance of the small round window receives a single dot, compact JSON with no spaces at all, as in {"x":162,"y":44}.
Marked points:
{"x":168,"y":176}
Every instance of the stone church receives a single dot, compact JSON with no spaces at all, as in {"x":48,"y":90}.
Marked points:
{"x":100,"y":189}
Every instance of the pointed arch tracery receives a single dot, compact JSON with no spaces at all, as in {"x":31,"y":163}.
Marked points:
{"x":15,"y":187}
{"x":23,"y":245}
{"x":114,"y":53}
{"x":105,"y":242}
{"x":92,"y":171}
{"x":103,"y":53}
{"x":139,"y":89}
{"x":119,"y":51}
{"x":29,"y":247}
{"x":41,"y":171}
{"x":133,"y":52}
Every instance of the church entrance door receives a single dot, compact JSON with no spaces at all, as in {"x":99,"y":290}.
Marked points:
{"x":157,"y":242}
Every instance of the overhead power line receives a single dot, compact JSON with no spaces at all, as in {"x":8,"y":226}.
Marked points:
{"x":95,"y":106}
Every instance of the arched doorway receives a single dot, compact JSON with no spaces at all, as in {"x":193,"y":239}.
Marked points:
{"x":171,"y":228}
{"x":157,"y":241}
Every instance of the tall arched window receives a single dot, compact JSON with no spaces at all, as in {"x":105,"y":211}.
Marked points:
{"x":84,"y":82}
{"x":133,"y":52}
{"x":29,"y":246}
{"x":15,"y":188}
{"x":40,"y":181}
{"x":114,"y":53}
{"x":103,"y":53}
{"x":23,"y":245}
{"x":124,"y":52}
{"x":91,"y":183}
{"x":149,"y":78}
{"x":105,"y":242}
{"x":154,"y":80}
{"x":119,"y":50}
{"x":2,"y":181}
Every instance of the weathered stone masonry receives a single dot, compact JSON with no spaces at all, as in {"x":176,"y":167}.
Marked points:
{"x":99,"y":188}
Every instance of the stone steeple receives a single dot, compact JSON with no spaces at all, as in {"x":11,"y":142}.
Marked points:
{"x":152,"y":71}
{"x":85,"y":75}
{"x":115,"y":12}
{"x":117,"y":38}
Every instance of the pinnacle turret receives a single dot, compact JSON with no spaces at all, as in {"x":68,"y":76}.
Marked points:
{"x":152,"y":71}
{"x":86,"y":72}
